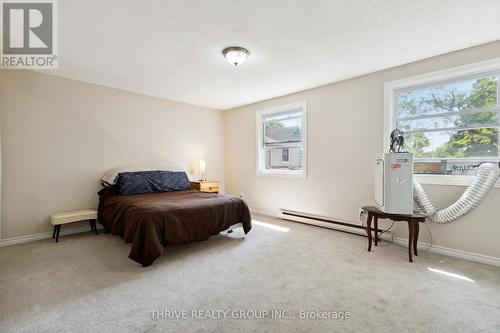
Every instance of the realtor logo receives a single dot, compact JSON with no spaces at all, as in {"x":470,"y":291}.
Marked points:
{"x":29,"y":34}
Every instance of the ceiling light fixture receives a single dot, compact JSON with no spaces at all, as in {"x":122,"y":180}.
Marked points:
{"x":235,"y":55}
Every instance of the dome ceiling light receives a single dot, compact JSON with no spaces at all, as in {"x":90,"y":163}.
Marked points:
{"x":235,"y":55}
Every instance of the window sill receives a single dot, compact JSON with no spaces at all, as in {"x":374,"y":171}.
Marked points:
{"x":286,"y":174}
{"x":447,"y":180}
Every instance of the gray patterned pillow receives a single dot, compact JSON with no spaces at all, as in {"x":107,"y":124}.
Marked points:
{"x":144,"y":182}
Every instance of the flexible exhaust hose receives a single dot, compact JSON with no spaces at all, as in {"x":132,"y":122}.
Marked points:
{"x":484,"y":181}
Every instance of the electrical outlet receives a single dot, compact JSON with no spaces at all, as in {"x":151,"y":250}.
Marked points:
{"x":360,"y":213}
{"x":242,"y":195}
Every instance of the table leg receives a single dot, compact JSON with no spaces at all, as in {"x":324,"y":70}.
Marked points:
{"x":415,"y":237}
{"x":369,"y":231}
{"x":376,"y":230}
{"x":410,"y":240}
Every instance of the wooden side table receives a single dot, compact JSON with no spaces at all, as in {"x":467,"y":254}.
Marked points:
{"x":210,"y":186}
{"x":413,"y":227}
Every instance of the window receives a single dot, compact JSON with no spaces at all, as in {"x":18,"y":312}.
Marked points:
{"x":450,"y":120}
{"x":281,"y":141}
{"x":285,"y":157}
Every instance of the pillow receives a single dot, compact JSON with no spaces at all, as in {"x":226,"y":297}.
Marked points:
{"x":111,"y":176}
{"x":144,"y":182}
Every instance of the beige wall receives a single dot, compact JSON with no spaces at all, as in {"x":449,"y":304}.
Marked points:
{"x":59,"y":136}
{"x":345,"y":124}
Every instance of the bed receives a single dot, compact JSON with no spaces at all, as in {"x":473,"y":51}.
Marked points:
{"x":152,"y":221}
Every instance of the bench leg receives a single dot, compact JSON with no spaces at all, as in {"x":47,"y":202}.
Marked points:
{"x":94,"y":226}
{"x":91,"y":225}
{"x":58,"y":230}
{"x":376,"y":230}
{"x":54,"y":232}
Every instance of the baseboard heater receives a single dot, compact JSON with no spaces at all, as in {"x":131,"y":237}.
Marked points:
{"x":329,"y":223}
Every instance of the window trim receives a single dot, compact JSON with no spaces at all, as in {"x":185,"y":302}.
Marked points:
{"x":258,"y":134}
{"x":450,"y":74}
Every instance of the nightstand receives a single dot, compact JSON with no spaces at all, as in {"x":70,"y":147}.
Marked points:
{"x":210,"y":186}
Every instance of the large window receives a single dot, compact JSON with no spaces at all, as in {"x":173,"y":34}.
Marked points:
{"x":281,"y":140}
{"x":450,"y":118}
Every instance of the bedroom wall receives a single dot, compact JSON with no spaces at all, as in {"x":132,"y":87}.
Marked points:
{"x":58,"y":137}
{"x":345,"y":125}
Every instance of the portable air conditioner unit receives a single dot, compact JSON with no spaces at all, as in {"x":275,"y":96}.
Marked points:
{"x":394,"y":183}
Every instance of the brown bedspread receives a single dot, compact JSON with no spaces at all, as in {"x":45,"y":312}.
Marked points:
{"x":152,"y":221}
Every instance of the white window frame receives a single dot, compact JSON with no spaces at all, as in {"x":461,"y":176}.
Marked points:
{"x":451,"y":74}
{"x":302,"y":105}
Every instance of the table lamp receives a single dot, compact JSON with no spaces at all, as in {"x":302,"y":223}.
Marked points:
{"x":202,"y":170}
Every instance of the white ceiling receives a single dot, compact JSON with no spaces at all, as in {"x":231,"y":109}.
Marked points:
{"x":172,"y":48}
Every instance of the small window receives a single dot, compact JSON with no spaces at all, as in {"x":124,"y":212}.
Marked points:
{"x":285,"y":155}
{"x":281,"y":141}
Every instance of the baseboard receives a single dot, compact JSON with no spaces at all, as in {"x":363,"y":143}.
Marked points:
{"x":386,"y":236}
{"x":453,"y":252}
{"x":43,"y":235}
{"x":265,"y":213}
{"x":397,"y":240}
{"x":484,"y":259}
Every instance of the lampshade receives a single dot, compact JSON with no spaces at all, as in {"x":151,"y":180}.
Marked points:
{"x":235,"y":55}
{"x":202,"y":166}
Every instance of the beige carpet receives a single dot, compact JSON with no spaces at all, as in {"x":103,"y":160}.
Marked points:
{"x":86,"y":283}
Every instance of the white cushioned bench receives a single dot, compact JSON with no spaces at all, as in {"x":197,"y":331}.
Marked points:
{"x":61,"y":218}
